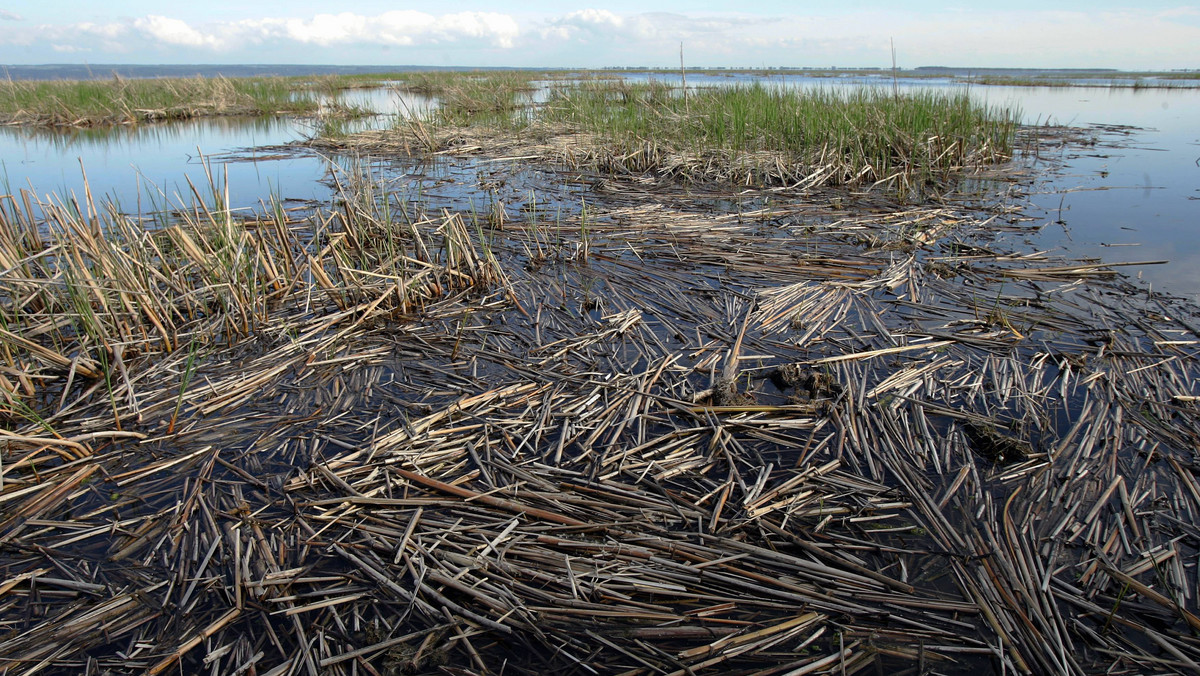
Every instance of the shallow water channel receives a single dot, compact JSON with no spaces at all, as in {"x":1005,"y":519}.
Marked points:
{"x":1133,"y":196}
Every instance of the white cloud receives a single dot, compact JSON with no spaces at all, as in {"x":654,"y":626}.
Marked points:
{"x":500,"y":29}
{"x":601,"y":24}
{"x":403,"y":28}
{"x":174,"y":32}
{"x":597,"y":37}
{"x":323,"y":29}
{"x":81,"y":37}
{"x":399,"y":28}
{"x":584,"y":21}
{"x":590,"y":18}
{"x":1180,"y":12}
{"x":980,"y":38}
{"x":10,"y":16}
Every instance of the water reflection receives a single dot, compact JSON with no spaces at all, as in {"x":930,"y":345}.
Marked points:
{"x":388,"y":100}
{"x":1132,"y":197}
{"x":119,"y":162}
{"x":68,"y":139}
{"x":131,"y":165}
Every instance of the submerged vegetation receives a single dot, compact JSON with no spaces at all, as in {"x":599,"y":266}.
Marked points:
{"x":691,"y":407}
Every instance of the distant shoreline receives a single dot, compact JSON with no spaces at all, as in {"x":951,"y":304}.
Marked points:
{"x":75,"y":71}
{"x":107,"y":70}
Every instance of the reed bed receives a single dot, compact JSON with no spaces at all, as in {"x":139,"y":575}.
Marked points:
{"x":86,"y":286}
{"x":1112,"y":81}
{"x":494,"y":98}
{"x":86,"y":103}
{"x":641,"y":436}
{"x":775,"y":134}
{"x":1001,"y":77}
{"x":915,"y":144}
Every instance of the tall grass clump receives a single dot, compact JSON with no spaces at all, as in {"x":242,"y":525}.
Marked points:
{"x":476,"y":97}
{"x":128,"y":101}
{"x":85,"y":289}
{"x":762,"y":133}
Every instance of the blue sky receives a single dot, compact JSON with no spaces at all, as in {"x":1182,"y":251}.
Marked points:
{"x":1113,"y":34}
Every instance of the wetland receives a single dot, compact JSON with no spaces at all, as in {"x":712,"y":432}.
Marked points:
{"x":605,"y":374}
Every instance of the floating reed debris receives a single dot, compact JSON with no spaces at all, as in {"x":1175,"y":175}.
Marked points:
{"x":386,"y":436}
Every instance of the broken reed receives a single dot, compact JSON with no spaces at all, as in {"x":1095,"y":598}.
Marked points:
{"x":856,"y":136}
{"x":127,"y":101}
{"x":84,"y":286}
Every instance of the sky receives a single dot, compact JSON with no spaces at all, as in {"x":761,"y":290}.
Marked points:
{"x":1147,"y":35}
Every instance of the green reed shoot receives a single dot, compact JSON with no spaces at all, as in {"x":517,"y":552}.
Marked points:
{"x":188,"y":369}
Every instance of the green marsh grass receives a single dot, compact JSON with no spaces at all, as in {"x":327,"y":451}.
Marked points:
{"x":475,"y":97}
{"x":765,"y":133}
{"x":915,"y":142}
{"x":128,"y":101}
{"x":188,"y":370}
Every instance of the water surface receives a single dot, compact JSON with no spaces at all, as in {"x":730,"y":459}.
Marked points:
{"x":1135,"y":195}
{"x":138,"y":164}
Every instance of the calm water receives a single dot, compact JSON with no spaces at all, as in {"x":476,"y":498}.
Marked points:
{"x":142,"y":163}
{"x":1134,"y":196}
{"x":1137,"y":201}
{"x":132,"y":164}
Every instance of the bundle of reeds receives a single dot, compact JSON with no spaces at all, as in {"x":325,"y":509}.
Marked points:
{"x":85,"y":287}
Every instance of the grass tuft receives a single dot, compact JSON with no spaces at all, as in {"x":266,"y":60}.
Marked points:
{"x":87,"y":103}
{"x":772,"y":134}
{"x":476,"y":97}
{"x":83,"y":288}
